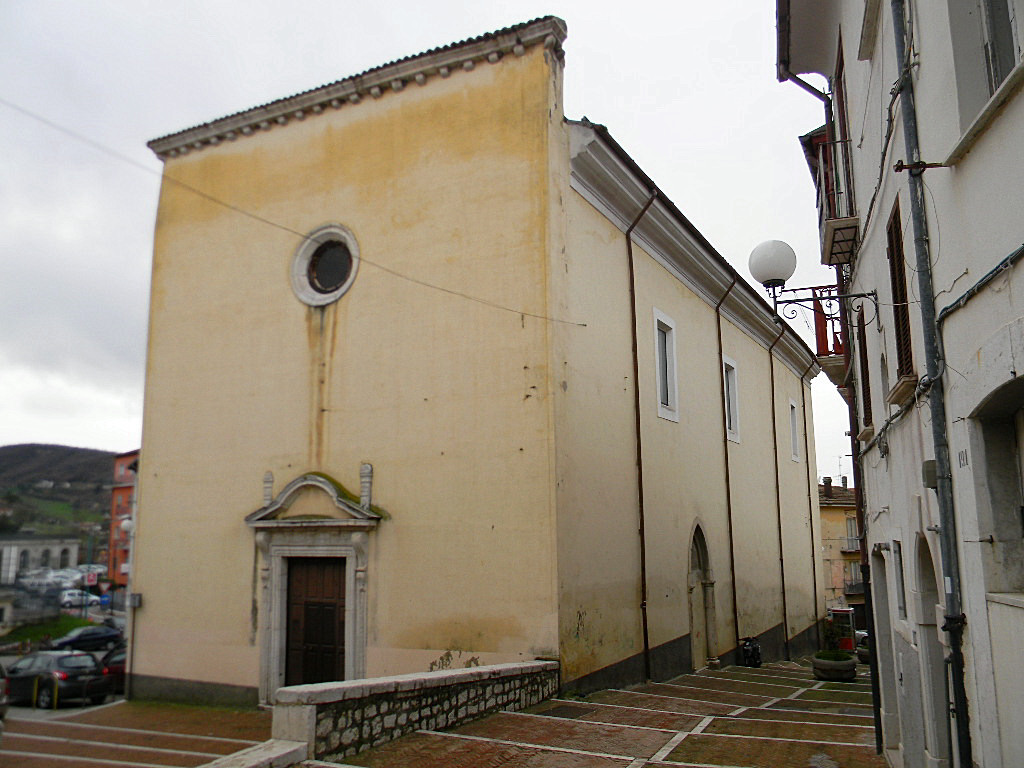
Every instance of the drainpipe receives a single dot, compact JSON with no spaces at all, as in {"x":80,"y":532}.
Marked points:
{"x":811,"y":489}
{"x":955,"y":619}
{"x":858,"y":505}
{"x":639,"y":440}
{"x":778,"y":494}
{"x":851,"y":401}
{"x":725,"y":457}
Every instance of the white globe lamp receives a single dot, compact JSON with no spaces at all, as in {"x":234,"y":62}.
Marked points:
{"x":772,"y":263}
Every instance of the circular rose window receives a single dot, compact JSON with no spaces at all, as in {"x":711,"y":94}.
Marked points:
{"x":325,"y":265}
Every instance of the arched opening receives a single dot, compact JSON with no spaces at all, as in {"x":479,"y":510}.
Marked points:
{"x":933,"y":667}
{"x":701,"y":598}
{"x":23,"y":561}
{"x":65,"y":558}
{"x":883,"y":647}
{"x":44,"y":559}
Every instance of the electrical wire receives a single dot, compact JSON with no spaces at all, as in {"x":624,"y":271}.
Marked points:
{"x":262,"y":219}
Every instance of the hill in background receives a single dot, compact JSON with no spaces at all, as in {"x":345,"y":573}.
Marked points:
{"x":55,"y":489}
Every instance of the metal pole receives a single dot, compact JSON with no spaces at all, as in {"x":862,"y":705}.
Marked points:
{"x":955,"y":620}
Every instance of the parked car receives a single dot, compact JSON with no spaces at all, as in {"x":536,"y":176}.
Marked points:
{"x":863,"y":649}
{"x":113,"y":664}
{"x":50,"y":677}
{"x":94,"y":637}
{"x":75,"y":597}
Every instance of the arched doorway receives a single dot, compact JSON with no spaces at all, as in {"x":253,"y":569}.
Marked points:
{"x":701,"y":598}
{"x":933,"y":666}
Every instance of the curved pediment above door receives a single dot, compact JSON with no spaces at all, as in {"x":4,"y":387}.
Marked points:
{"x":314,"y":500}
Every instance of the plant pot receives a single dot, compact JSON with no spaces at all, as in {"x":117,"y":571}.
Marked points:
{"x":835,"y":671}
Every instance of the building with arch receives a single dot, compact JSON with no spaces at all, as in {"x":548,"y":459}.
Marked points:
{"x":437,"y":377}
{"x":917,"y":171}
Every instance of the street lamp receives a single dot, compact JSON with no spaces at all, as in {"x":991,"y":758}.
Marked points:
{"x":773,"y":262}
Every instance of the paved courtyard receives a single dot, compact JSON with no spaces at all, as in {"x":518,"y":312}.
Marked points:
{"x":128,"y":735}
{"x":777,"y":715}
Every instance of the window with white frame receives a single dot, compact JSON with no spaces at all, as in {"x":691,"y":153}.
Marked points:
{"x":794,"y":430}
{"x":665,"y":362}
{"x":1002,"y":44}
{"x":730,"y":380}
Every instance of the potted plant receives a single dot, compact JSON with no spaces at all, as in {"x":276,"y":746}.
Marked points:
{"x":832,"y":664}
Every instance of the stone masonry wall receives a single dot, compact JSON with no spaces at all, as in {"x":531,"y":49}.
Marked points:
{"x":341,"y":719}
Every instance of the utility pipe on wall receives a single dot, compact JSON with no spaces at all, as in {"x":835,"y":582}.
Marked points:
{"x":955,"y":619}
{"x":725,"y":457}
{"x":778,"y":492}
{"x":851,"y":400}
{"x":812,"y":488}
{"x":639,"y":433}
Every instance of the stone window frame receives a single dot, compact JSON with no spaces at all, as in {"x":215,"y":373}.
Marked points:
{"x":301,"y":286}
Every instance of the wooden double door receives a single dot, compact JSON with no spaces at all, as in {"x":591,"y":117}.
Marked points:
{"x":316,"y":620}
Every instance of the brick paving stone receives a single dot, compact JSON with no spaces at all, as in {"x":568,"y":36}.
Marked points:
{"x":807,"y":717}
{"x":65,"y":730}
{"x":662,"y":703}
{"x":248,"y":725}
{"x":429,"y":750}
{"x":93,"y":751}
{"x":765,"y":753}
{"x":810,"y":705}
{"x":552,"y":732}
{"x":790,"y":730}
{"x":847,"y":697}
{"x":607,"y":713}
{"x":758,"y":676}
{"x":703,"y":694}
{"x":103,"y":736}
{"x":771,"y":690}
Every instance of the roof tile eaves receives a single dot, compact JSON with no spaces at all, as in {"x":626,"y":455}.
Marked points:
{"x":549,"y":30}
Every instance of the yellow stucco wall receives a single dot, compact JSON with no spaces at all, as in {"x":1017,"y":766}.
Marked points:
{"x":684,"y":464}
{"x":448,"y":398}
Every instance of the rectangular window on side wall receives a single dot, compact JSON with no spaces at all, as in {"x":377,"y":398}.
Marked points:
{"x":901,"y":595}
{"x":1002,"y":46}
{"x":665,"y":362}
{"x":865,"y":378}
{"x":900,"y":307}
{"x":730,"y":380}
{"x":794,"y":429}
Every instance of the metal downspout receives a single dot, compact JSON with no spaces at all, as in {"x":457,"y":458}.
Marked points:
{"x":955,"y":619}
{"x":778,"y":494}
{"x":810,"y":506}
{"x":639,"y":440}
{"x":725,"y":458}
{"x":859,"y":511}
{"x":851,"y":399}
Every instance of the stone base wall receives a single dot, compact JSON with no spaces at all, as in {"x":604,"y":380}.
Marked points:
{"x":340,"y":719}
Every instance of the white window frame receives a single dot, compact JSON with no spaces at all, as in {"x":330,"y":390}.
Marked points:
{"x":665,"y":366}
{"x":794,"y":429}
{"x":731,"y":383}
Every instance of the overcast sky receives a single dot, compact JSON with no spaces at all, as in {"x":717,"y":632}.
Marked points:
{"x":686,"y":87}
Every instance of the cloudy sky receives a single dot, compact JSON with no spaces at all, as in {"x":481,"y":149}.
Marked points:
{"x":686,"y":87}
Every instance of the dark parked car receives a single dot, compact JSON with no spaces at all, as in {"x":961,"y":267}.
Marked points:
{"x":95,"y":637}
{"x":50,"y":677}
{"x":113,"y":667}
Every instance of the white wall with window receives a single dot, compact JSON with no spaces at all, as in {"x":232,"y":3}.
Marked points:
{"x":665,"y":363}
{"x":731,"y":382}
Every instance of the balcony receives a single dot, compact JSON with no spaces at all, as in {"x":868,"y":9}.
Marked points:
{"x":828,"y":332}
{"x":855,"y":587}
{"x":838,"y":222}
